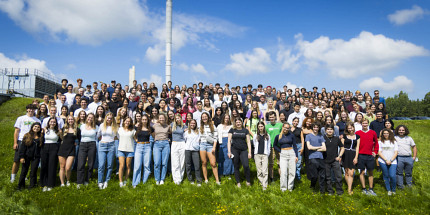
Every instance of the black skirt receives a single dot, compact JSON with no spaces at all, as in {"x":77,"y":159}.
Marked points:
{"x":348,"y":159}
{"x":67,"y":146}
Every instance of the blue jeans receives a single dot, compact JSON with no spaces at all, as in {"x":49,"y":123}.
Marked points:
{"x":142,"y":157}
{"x":96,"y":161}
{"x":161,"y":152}
{"x":389,"y":175}
{"x":299,"y":162}
{"x":105,"y":156}
{"x":404,"y":164}
{"x":116,"y":155}
{"x":225,"y":164}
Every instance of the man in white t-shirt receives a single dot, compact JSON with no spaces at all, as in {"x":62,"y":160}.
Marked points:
{"x":53,"y":112}
{"x":22,"y":126}
{"x":197,"y":115}
{"x":297,"y":114}
{"x":60,"y":104}
{"x":84,"y":107}
{"x":70,"y":96}
{"x":93,"y":105}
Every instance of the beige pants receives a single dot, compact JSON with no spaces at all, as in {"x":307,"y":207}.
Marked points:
{"x":288,"y":169}
{"x":261,"y":162}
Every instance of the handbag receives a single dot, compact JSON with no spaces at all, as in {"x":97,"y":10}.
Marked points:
{"x":209,"y":138}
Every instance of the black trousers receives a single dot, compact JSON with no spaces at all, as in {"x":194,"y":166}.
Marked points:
{"x":316,"y":172}
{"x":87,"y":150}
{"x":192,"y":159}
{"x":48,"y":164}
{"x":333,"y":167}
{"x":241,"y":157}
{"x":34,"y":163}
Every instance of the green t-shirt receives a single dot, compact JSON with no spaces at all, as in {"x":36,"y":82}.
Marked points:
{"x":273,"y":130}
{"x":252,"y":125}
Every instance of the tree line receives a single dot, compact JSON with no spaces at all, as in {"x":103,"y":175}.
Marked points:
{"x":401,"y":106}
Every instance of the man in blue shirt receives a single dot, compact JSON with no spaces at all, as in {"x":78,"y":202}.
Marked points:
{"x":316,"y":166}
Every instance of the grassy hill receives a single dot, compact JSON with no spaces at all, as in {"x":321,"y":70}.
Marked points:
{"x":210,"y":198}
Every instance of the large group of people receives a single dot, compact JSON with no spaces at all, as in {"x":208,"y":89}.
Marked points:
{"x":135,"y":131}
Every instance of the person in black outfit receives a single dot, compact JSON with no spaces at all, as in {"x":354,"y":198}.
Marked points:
{"x":239,"y":145}
{"x":114,"y":104}
{"x":332,"y":159}
{"x":29,"y":154}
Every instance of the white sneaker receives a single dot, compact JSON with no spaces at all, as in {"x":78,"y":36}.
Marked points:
{"x":121,"y":184}
{"x":86,"y":183}
{"x":105,"y":185}
{"x":192,"y":182}
{"x":206,"y":181}
{"x":100,"y":186}
{"x":68,"y":183}
{"x":283,"y":189}
{"x":218,"y":183}
{"x":199,"y":185}
{"x":134,"y":187}
{"x":44,"y":189}
{"x":78,"y":186}
{"x":62,"y":185}
{"x":12,"y":178}
{"x":48,"y":189}
{"x":161,"y":182}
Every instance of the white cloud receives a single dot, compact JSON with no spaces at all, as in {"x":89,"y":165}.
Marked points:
{"x":401,"y":17}
{"x":196,"y":68}
{"x":22,"y":62}
{"x":158,"y":80}
{"x":257,"y":61}
{"x":97,"y":21}
{"x":286,"y":59}
{"x":188,"y":29}
{"x":362,"y":55}
{"x":398,"y":83}
{"x":292,"y":86}
{"x":86,"y":22}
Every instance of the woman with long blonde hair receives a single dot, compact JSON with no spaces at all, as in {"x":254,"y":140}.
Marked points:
{"x":208,"y":143}
{"x":107,"y":134}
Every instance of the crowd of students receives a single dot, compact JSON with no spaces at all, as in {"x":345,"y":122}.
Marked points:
{"x":135,"y":131}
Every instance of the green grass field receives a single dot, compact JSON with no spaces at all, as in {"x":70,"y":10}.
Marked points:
{"x":210,"y":198}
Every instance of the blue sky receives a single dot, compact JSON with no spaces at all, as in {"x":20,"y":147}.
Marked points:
{"x":362,"y":45}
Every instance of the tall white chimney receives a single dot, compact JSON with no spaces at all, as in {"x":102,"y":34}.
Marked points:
{"x":168,"y":40}
{"x":131,"y":76}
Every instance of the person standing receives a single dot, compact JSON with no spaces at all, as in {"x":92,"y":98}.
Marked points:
{"x":49,"y":160}
{"x":161,"y":149}
{"x":351,"y":142}
{"x":208,"y":143}
{"x":29,"y":154}
{"x":239,"y":145}
{"x":87,"y":149}
{"x":285,"y":144}
{"x":262,"y":146}
{"x":332,"y":159}
{"x":273,"y":128}
{"x":388,"y":150}
{"x":22,"y":126}
{"x":225,"y":164}
{"x":107,"y":133}
{"x":368,"y":150}
{"x":406,"y":156}
{"x":300,"y":145}
{"x":178,"y":148}
{"x":316,"y":167}
{"x":126,"y":136}
{"x":143,"y":152}
{"x":67,"y":149}
{"x":192,"y":158}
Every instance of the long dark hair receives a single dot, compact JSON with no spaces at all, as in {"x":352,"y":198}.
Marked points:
{"x":29,"y":137}
{"x":264,"y":134}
